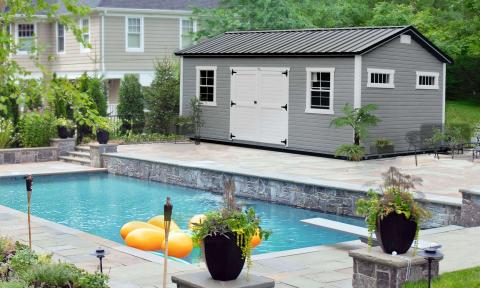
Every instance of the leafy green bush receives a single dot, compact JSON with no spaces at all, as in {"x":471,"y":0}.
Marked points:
{"x":6,"y":133}
{"x":131,"y":138}
{"x":95,"y":88}
{"x":13,"y":285}
{"x":36,"y":129}
{"x":162,"y":98}
{"x":131,"y":104}
{"x":352,"y":152}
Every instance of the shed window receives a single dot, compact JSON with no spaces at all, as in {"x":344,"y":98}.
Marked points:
{"x":206,"y":85}
{"x":427,"y":80}
{"x":134,"y":34}
{"x":380,"y":78}
{"x":60,"y":38}
{"x":85,"y":27}
{"x":320,"y":90}
{"x":26,"y":37}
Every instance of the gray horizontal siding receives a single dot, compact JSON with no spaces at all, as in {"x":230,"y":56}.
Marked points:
{"x":306,"y":131}
{"x":403,"y":108}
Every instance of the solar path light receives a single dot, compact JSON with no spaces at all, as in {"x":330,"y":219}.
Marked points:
{"x":100,"y":253}
{"x":430,"y":254}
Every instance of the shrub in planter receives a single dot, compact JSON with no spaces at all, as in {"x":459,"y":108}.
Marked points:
{"x":393,"y":214}
{"x":226,"y":235}
{"x":64,"y":127}
{"x":36,"y":129}
{"x":352,"y":152}
{"x":102,"y":129}
{"x":383,"y":146}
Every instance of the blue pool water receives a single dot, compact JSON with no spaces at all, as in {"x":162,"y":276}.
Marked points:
{"x":101,"y":203}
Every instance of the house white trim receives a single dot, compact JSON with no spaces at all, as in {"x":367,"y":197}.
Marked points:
{"x":145,"y":11}
{"x":308,"y":108}
{"x":142,"y":32}
{"x":197,"y":83}
{"x":357,"y":82}
{"x":35,"y":36}
{"x":428,"y":74}
{"x":444,"y":85}
{"x":102,"y":51}
{"x":80,"y":24}
{"x":64,"y":39}
{"x":180,"y":112}
{"x":390,"y":72}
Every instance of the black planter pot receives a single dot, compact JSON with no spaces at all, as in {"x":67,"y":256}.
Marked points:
{"x":62,"y":132}
{"x":71,"y":132}
{"x":395,"y":233}
{"x":102,"y":136}
{"x":223,"y":257}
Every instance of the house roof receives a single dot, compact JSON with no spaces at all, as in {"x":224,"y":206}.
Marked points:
{"x":307,"y":42}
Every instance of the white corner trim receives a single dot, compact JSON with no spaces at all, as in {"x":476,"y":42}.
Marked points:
{"x":381,"y":71}
{"x":308,"y":108}
{"x":142,"y":32}
{"x":180,"y":112}
{"x":424,"y":73}
{"x":102,"y":51}
{"x":197,"y":76}
{"x":444,"y":84}
{"x":357,"y":82}
{"x":85,"y":49}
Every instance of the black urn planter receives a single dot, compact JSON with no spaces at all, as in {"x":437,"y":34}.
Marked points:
{"x":395,"y":233}
{"x":223,"y":256}
{"x":71,"y":132}
{"x":102,"y":136}
{"x":63,"y":132}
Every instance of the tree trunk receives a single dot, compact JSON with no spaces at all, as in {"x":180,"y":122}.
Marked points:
{"x":356,"y":139}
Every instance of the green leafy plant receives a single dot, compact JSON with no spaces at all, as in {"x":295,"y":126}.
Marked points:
{"x":352,"y":152}
{"x":395,"y":198}
{"x":245,"y":224}
{"x":382,"y":143}
{"x":64,"y":122}
{"x":359,"y":119}
{"x":196,"y":116}
{"x":36,"y":129}
{"x":131,"y":104}
{"x":6,"y":133}
{"x":103,"y":123}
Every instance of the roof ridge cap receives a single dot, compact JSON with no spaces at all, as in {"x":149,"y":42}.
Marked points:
{"x":317,"y":29}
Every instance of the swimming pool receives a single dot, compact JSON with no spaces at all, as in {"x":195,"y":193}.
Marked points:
{"x":100,"y":203}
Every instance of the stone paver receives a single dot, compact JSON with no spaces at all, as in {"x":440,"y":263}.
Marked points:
{"x":44,"y":168}
{"x":442,"y":177}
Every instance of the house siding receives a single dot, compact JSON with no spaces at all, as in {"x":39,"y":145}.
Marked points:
{"x":161,"y":39}
{"x":308,"y":132}
{"x":403,"y":108}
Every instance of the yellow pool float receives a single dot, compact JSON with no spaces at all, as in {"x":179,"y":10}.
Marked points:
{"x":255,"y":240}
{"x":196,"y":219}
{"x":133,"y":225}
{"x":159,"y":222}
{"x":146,"y":239}
{"x":180,"y":245}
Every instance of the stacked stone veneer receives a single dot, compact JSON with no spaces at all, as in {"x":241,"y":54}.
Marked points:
{"x":97,"y":151}
{"x":470,"y":207}
{"x":25,"y":155}
{"x":326,"y":199}
{"x":375,"y":269}
{"x":63,"y":145}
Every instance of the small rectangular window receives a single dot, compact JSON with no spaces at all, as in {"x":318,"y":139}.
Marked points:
{"x":85,"y":27}
{"x":26,"y":37}
{"x":206,"y":85}
{"x":427,"y":80}
{"x":134,"y":34}
{"x":320,"y":90}
{"x":188,"y":27}
{"x":60,"y":38}
{"x":380,"y":78}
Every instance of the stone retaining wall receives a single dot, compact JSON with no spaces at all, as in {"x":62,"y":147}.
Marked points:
{"x":470,"y":207}
{"x":25,"y":155}
{"x":63,"y":145}
{"x":325,"y":199}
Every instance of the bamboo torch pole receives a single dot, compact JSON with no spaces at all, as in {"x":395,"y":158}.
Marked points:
{"x":28,"y":183}
{"x":167,"y":218}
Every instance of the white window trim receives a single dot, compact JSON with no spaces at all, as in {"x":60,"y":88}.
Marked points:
{"x":18,"y":52}
{"x":85,"y":49}
{"x":308,"y":108}
{"x":198,"y":69}
{"x":128,"y":49}
{"x":64,"y":38}
{"x":180,"y":34}
{"x":427,"y":87}
{"x":382,"y":71}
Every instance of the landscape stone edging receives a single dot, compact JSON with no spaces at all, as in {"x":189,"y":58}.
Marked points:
{"x":333,"y":200}
{"x":26,"y":155}
{"x":470,"y":216}
{"x":64,"y":145}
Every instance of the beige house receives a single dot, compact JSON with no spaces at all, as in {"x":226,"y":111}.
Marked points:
{"x":126,"y":37}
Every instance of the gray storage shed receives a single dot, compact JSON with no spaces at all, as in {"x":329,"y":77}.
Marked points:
{"x":282,"y":88}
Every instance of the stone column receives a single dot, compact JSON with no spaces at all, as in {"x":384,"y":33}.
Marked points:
{"x":64,"y":145}
{"x":96,"y":151}
{"x":470,"y":215}
{"x":376,"y":269}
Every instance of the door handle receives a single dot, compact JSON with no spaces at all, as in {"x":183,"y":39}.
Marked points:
{"x":284,"y":107}
{"x":254,"y":101}
{"x":232,"y":103}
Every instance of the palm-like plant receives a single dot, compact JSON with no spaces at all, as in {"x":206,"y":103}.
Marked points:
{"x":357,"y":118}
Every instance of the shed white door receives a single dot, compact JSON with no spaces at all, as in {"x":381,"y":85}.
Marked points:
{"x":259,"y":98}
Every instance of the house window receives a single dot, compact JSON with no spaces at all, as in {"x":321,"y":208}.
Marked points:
{"x":320,"y":90}
{"x":85,"y":27}
{"x":25,"y":38}
{"x":427,"y":80}
{"x":60,"y":38}
{"x":188,"y":27}
{"x":206,"y":85}
{"x":134,"y":34}
{"x":380,"y":78}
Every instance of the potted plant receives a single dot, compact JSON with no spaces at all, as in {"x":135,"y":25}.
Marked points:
{"x":383,"y":146}
{"x":225,"y":237}
{"x":393,"y":214}
{"x":102,"y":129}
{"x":352,"y":152}
{"x":64,"y":127}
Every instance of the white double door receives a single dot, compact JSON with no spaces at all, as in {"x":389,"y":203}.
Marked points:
{"x":259,"y":104}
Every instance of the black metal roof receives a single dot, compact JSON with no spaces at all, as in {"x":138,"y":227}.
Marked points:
{"x":307,"y":42}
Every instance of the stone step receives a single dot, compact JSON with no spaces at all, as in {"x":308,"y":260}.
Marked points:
{"x":75,"y":160}
{"x":78,"y":154}
{"x":82,"y":148}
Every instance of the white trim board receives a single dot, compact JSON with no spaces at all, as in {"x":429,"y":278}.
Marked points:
{"x":444,"y":85}
{"x":180,"y":108}
{"x":428,"y":74}
{"x":197,"y":84}
{"x":357,"y":82}
{"x":309,"y":71}
{"x":381,"y":71}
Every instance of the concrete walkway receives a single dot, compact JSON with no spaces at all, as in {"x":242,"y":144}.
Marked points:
{"x":323,"y":266}
{"x":442,"y":177}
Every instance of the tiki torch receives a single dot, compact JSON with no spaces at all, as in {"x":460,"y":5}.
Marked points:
{"x":167,"y":218}
{"x":28,"y":183}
